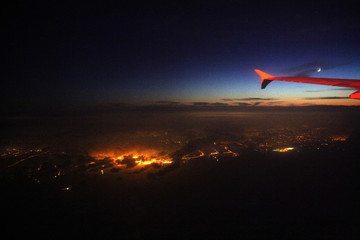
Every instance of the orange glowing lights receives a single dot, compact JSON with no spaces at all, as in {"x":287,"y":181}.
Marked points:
{"x":340,"y":138}
{"x":147,"y":162}
{"x":140,"y":158}
{"x":282,"y":150}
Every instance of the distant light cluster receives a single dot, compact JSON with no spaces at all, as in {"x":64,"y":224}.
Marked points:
{"x":45,"y":165}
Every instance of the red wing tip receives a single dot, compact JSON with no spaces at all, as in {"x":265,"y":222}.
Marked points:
{"x":262,"y":74}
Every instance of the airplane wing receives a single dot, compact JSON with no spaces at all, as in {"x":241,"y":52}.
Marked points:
{"x":351,"y":83}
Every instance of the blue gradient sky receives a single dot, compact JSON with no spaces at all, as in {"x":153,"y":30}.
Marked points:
{"x":203,"y":51}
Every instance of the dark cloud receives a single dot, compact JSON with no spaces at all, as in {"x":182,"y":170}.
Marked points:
{"x":325,"y":98}
{"x":129,"y":161}
{"x":247,"y":99}
{"x":218,"y":104}
{"x":167,"y":102}
{"x":251,"y":104}
{"x":257,"y":99}
{"x":274,"y":102}
{"x":154,"y":175}
{"x":209,"y":132}
{"x":244,"y":104}
{"x":200,"y":103}
{"x":256,"y":103}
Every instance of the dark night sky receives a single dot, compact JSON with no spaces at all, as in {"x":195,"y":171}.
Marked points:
{"x":71,"y":53}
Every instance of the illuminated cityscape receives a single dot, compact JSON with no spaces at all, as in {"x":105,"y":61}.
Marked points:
{"x":46,"y":164}
{"x":230,"y":163}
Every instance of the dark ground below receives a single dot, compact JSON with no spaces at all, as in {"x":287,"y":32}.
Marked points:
{"x":255,"y":196}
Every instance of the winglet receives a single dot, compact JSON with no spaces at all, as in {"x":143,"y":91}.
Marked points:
{"x":264,"y":78}
{"x":355,"y":95}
